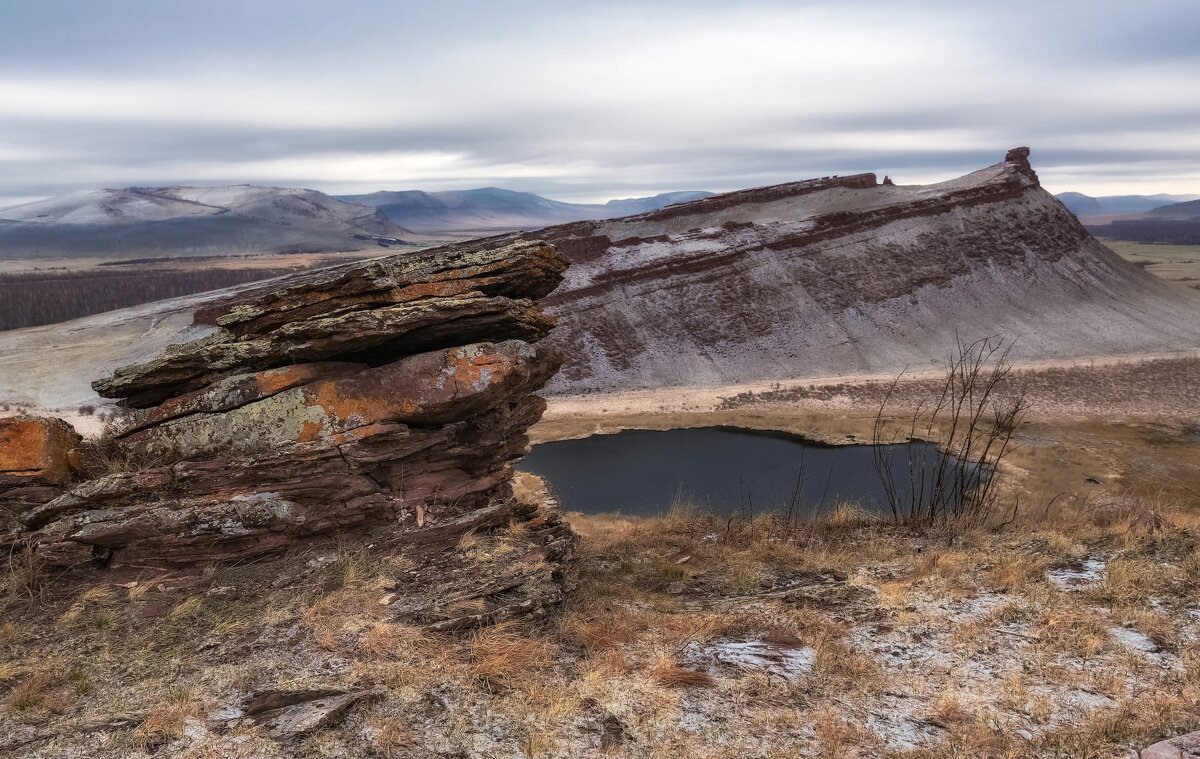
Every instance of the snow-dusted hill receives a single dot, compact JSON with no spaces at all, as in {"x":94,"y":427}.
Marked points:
{"x":183,"y":221}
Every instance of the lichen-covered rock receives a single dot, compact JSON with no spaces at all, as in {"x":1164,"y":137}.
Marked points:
{"x":371,"y":312}
{"x":390,"y":396}
{"x":434,"y":387}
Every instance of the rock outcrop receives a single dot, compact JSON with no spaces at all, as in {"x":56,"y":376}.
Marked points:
{"x":388,"y":396}
{"x":38,"y":456}
{"x":843,"y":275}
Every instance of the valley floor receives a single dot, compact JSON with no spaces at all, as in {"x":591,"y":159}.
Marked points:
{"x":1177,"y":263}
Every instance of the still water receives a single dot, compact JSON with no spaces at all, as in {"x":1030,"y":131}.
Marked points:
{"x":721,"y":469}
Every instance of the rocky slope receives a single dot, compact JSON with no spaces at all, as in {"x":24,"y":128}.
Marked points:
{"x":388,"y":396}
{"x":844,"y":275}
{"x":190,"y":221}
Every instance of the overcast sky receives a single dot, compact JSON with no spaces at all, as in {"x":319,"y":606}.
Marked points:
{"x":591,"y":100}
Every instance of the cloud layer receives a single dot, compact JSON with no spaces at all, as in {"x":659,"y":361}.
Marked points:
{"x":591,"y":100}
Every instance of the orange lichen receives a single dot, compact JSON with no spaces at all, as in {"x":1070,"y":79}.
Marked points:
{"x":432,"y":290}
{"x":309,"y":432}
{"x":363,"y":407}
{"x":274,"y":381}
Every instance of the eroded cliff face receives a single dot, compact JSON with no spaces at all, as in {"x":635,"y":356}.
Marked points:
{"x":388,"y":396}
{"x":843,"y":275}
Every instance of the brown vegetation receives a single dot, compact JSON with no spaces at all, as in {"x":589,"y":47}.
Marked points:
{"x":686,"y":636}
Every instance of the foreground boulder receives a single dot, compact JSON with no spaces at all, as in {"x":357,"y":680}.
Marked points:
{"x":1182,"y":747}
{"x":388,"y":396}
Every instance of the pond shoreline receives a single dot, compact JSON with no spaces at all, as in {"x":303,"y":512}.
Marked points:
{"x":726,"y":470}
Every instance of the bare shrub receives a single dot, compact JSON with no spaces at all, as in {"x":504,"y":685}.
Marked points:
{"x":972,"y":419}
{"x":22,"y":578}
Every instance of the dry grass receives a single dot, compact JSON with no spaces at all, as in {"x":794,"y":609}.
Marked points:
{"x":391,"y":736}
{"x":505,"y":656}
{"x":669,"y":674}
{"x":910,"y":643}
{"x":167,"y":722}
{"x":37,"y":690}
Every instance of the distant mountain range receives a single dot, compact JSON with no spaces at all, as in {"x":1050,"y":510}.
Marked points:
{"x":1086,"y":205}
{"x":141,"y":222}
{"x":191,"y":221}
{"x":492,"y":209}
{"x":1161,"y":219}
{"x":1189,"y":211}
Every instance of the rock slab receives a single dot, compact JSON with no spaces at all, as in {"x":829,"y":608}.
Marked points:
{"x":1181,"y":747}
{"x":386,"y":397}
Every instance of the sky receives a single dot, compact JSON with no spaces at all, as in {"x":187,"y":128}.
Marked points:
{"x":590,"y":100}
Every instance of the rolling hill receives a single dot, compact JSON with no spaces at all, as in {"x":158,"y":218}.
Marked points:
{"x":492,"y":209}
{"x":190,"y":221}
{"x":1174,"y":224}
{"x":1086,"y":205}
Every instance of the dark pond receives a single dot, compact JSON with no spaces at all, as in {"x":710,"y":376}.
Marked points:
{"x":721,"y":469}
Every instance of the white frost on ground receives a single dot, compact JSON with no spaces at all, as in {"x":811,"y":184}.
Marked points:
{"x":901,"y":732}
{"x":786,"y":662}
{"x":1076,"y":578}
{"x":1133,"y":639}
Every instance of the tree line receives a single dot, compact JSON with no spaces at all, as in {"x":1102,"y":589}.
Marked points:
{"x":30,"y":299}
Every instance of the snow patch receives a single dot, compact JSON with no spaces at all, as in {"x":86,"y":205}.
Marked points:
{"x":1076,"y":578}
{"x":1133,"y":639}
{"x":786,"y":662}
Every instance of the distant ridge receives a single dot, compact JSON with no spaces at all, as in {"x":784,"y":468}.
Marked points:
{"x":493,"y":209}
{"x":191,"y":221}
{"x":1174,"y":224}
{"x":1086,"y":205}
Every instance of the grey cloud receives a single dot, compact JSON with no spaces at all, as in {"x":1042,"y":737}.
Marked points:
{"x":1103,"y":90}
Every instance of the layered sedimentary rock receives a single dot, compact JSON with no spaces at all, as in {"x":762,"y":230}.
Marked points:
{"x":844,"y":275}
{"x":390,"y":395}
